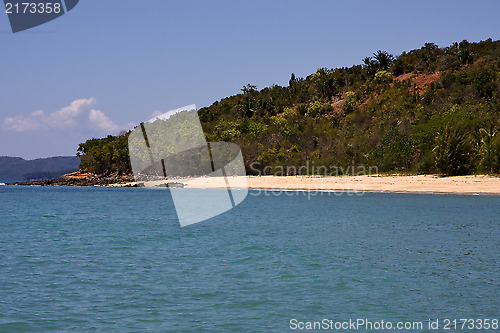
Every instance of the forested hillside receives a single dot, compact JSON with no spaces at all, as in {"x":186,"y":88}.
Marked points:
{"x":16,"y":168}
{"x":430,"y":110}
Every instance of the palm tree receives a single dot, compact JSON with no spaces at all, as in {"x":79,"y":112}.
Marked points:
{"x":383,"y":59}
{"x":453,"y":151}
{"x":487,"y":149}
{"x":370,"y":66}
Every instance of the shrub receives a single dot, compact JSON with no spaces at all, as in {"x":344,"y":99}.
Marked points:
{"x":453,"y":151}
{"x":256,"y":128}
{"x":383,"y":77}
{"x":317,"y":108}
{"x":288,"y":113}
{"x":488,"y":150}
{"x":484,"y":82}
{"x":350,"y":103}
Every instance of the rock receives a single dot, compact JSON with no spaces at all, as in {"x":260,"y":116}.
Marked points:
{"x":81,"y":178}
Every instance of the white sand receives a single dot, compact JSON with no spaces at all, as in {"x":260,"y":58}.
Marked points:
{"x":417,"y":184}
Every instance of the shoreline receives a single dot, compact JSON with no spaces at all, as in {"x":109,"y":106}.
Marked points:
{"x":424,"y":184}
{"x":430,"y":184}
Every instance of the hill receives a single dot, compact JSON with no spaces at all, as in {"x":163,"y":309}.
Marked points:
{"x":429,"y":110}
{"x":16,"y":168}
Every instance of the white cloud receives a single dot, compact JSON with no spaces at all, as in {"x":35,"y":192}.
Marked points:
{"x":100,"y":120}
{"x":155,"y":114}
{"x":78,"y":116}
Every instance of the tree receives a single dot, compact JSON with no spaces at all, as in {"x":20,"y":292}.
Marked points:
{"x":106,"y":155}
{"x":292,"y":81}
{"x":324,"y":82}
{"x":484,"y":82}
{"x":464,"y":52}
{"x":383,"y":59}
{"x":248,"y":105}
{"x":398,"y":67}
{"x":249,"y":89}
{"x":453,"y":151}
{"x":488,"y":149}
{"x":370,"y":66}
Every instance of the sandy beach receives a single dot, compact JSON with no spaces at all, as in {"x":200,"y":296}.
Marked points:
{"x":414,"y":184}
{"x":404,"y":184}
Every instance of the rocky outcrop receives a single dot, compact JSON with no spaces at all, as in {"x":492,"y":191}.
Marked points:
{"x":82,"y":178}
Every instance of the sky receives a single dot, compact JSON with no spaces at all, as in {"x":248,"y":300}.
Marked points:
{"x":108,"y":65}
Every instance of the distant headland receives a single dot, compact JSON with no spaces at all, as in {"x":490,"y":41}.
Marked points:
{"x":19,"y":169}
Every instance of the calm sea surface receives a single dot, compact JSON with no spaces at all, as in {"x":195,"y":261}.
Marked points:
{"x":117,"y":260}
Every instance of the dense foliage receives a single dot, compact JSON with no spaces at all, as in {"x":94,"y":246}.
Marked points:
{"x":431,"y":110}
{"x":105,"y":155}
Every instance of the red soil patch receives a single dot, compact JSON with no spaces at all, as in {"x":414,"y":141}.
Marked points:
{"x":420,"y":82}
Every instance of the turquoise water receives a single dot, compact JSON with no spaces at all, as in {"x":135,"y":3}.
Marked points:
{"x":116,"y":260}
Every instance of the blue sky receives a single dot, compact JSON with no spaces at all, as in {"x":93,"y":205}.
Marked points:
{"x":109,"y":64}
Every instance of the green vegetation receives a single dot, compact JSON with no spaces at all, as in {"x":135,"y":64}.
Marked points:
{"x":430,"y":110}
{"x":107,"y":155}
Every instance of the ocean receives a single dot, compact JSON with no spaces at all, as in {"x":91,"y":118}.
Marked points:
{"x":116,"y":259}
